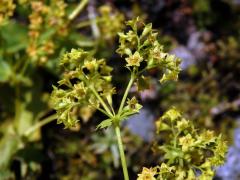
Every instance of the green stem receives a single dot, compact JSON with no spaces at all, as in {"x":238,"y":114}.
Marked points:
{"x":87,"y":23}
{"x":18,"y":107}
{"x":122,"y":155}
{"x":126,"y":92}
{"x":103,"y":111}
{"x":24,"y":68}
{"x":40,"y":124}
{"x":102,"y":102}
{"x":78,"y":9}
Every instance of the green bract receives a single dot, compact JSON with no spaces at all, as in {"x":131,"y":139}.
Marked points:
{"x":187,"y":151}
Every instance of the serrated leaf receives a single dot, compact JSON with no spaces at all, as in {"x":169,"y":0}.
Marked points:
{"x":104,"y":124}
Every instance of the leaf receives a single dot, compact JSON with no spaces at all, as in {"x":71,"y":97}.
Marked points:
{"x":5,"y":71}
{"x":104,"y":124}
{"x":6,"y":174}
{"x":15,"y":36}
{"x":8,"y":147}
{"x":47,"y":35}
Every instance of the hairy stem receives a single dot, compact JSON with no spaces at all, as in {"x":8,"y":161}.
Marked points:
{"x":121,"y":151}
{"x":40,"y":124}
{"x":126,"y":92}
{"x":78,"y":9}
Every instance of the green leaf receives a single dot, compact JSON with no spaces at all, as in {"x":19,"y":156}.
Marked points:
{"x":15,"y":36}
{"x":47,"y":35}
{"x":5,"y":71}
{"x":104,"y":124}
{"x":6,"y":174}
{"x":8,"y":147}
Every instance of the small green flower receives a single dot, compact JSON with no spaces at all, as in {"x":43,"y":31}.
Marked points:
{"x":79,"y":90}
{"x":173,"y":114}
{"x":207,"y":136}
{"x":134,"y":60}
{"x":147,"y":174}
{"x":182,"y":125}
{"x":187,"y":142}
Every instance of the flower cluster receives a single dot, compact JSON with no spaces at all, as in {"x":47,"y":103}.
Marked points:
{"x":6,"y":10}
{"x":188,"y":154}
{"x":111,"y":22}
{"x":143,"y":51}
{"x":46,"y":22}
{"x":85,"y":79}
{"x":92,"y":80}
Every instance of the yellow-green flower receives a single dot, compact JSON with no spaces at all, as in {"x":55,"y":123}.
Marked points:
{"x":186,"y":142}
{"x":183,"y":124}
{"x":132,"y":102}
{"x":173,"y":114}
{"x":207,"y":136}
{"x":134,"y":60}
{"x":147,"y":174}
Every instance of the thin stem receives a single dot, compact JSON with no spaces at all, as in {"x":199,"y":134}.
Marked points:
{"x":103,"y":111}
{"x":112,"y":110}
{"x":88,"y":23}
{"x":17,"y":105}
{"x":102,"y":102}
{"x":126,"y":92}
{"x":122,"y":155}
{"x":40,"y":124}
{"x":24,"y":68}
{"x":78,"y":9}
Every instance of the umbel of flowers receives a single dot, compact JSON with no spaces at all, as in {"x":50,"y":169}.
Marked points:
{"x":144,"y":49}
{"x":86,"y":83}
{"x":76,"y":95}
{"x":86,"y":87}
{"x":187,"y":153}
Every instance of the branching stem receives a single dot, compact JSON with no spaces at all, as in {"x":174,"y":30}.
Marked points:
{"x":102,"y":102}
{"x":126,"y":92}
{"x":40,"y":124}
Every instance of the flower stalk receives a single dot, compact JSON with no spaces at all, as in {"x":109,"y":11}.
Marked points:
{"x":122,"y":154}
{"x":40,"y":124}
{"x":78,"y":9}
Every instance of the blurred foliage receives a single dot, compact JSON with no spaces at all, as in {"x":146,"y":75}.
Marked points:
{"x":35,"y":34}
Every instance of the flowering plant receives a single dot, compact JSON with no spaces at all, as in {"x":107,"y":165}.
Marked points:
{"x":86,"y":87}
